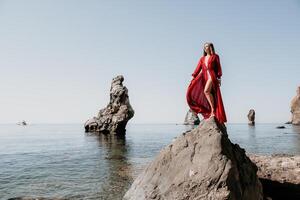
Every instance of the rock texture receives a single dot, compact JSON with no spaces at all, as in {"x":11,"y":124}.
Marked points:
{"x":200,"y":164}
{"x":251,"y":117}
{"x":191,"y":118}
{"x":35,"y":198}
{"x":279,"y":175}
{"x":295,"y":108}
{"x":281,"y":168}
{"x":113,"y":119}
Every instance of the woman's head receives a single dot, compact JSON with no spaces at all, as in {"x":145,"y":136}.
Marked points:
{"x":208,"y":49}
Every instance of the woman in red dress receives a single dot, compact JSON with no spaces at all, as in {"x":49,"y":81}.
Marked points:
{"x":204,"y":94}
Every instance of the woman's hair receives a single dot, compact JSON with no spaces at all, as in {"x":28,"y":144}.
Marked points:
{"x":211,"y":46}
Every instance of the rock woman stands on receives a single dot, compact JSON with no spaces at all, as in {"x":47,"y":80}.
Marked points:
{"x":204,"y":94}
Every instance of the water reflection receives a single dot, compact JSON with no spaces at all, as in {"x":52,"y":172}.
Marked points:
{"x":296,"y":129}
{"x":251,"y":130}
{"x":119,"y":175}
{"x":252,"y":136}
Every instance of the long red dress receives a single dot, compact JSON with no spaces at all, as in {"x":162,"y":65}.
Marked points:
{"x":195,"y":96}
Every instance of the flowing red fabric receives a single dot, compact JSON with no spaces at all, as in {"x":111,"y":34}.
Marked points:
{"x":195,"y":96}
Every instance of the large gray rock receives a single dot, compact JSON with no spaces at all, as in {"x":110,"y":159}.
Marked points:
{"x":295,"y":108}
{"x":251,"y":117}
{"x":113,"y":119}
{"x":200,"y":164}
{"x":191,"y":118}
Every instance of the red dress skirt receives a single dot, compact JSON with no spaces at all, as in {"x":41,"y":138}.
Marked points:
{"x":195,"y":96}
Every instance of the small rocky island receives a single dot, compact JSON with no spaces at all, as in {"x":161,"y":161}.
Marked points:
{"x":295,"y":108}
{"x":22,"y":123}
{"x":251,"y":117}
{"x":191,"y":118}
{"x":113,"y":119}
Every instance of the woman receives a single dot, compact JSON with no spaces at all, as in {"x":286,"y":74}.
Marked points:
{"x":203,"y":94}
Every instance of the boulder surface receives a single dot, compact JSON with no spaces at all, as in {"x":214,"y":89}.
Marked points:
{"x":200,"y":164}
{"x":279,"y":175}
{"x":281,"y":168}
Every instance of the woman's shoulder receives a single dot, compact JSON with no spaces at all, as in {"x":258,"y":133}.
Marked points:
{"x":213,"y":56}
{"x":216,"y":55}
{"x":201,"y":58}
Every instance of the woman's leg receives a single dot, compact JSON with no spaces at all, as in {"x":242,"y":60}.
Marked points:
{"x":207,"y":92}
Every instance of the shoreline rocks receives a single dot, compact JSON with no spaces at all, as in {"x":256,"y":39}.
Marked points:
{"x":279,"y":175}
{"x":200,"y":164}
{"x":281,"y":168}
{"x":113,"y":119}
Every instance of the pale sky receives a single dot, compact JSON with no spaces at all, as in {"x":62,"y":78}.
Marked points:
{"x":57,"y":58}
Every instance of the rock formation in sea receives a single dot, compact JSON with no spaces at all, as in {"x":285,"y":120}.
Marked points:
{"x":200,"y":164}
{"x":295,"y":108}
{"x":251,"y":117}
{"x":22,"y":123}
{"x":113,"y":119}
{"x":191,"y":118}
{"x":279,"y":175}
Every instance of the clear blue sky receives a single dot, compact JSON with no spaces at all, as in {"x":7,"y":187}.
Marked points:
{"x":57,"y":58}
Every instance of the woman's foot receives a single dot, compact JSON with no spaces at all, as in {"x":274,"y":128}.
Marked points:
{"x":212,"y":114}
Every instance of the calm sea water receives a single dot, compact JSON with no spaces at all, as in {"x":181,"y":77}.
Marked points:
{"x":64,"y":162}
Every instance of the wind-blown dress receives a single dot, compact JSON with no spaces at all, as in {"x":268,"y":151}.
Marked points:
{"x":195,"y":96}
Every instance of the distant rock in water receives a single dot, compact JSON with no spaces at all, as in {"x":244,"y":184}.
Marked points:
{"x":113,"y":119}
{"x":200,"y":164}
{"x":280,"y":127}
{"x":295,"y":108}
{"x":191,"y":118}
{"x":251,"y":117}
{"x":22,"y":123}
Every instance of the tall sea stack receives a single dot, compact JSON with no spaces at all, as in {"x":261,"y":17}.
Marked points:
{"x":251,"y":117}
{"x":191,"y":118}
{"x":113,"y":119}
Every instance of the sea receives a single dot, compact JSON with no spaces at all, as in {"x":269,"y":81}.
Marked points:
{"x":62,"y":161}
